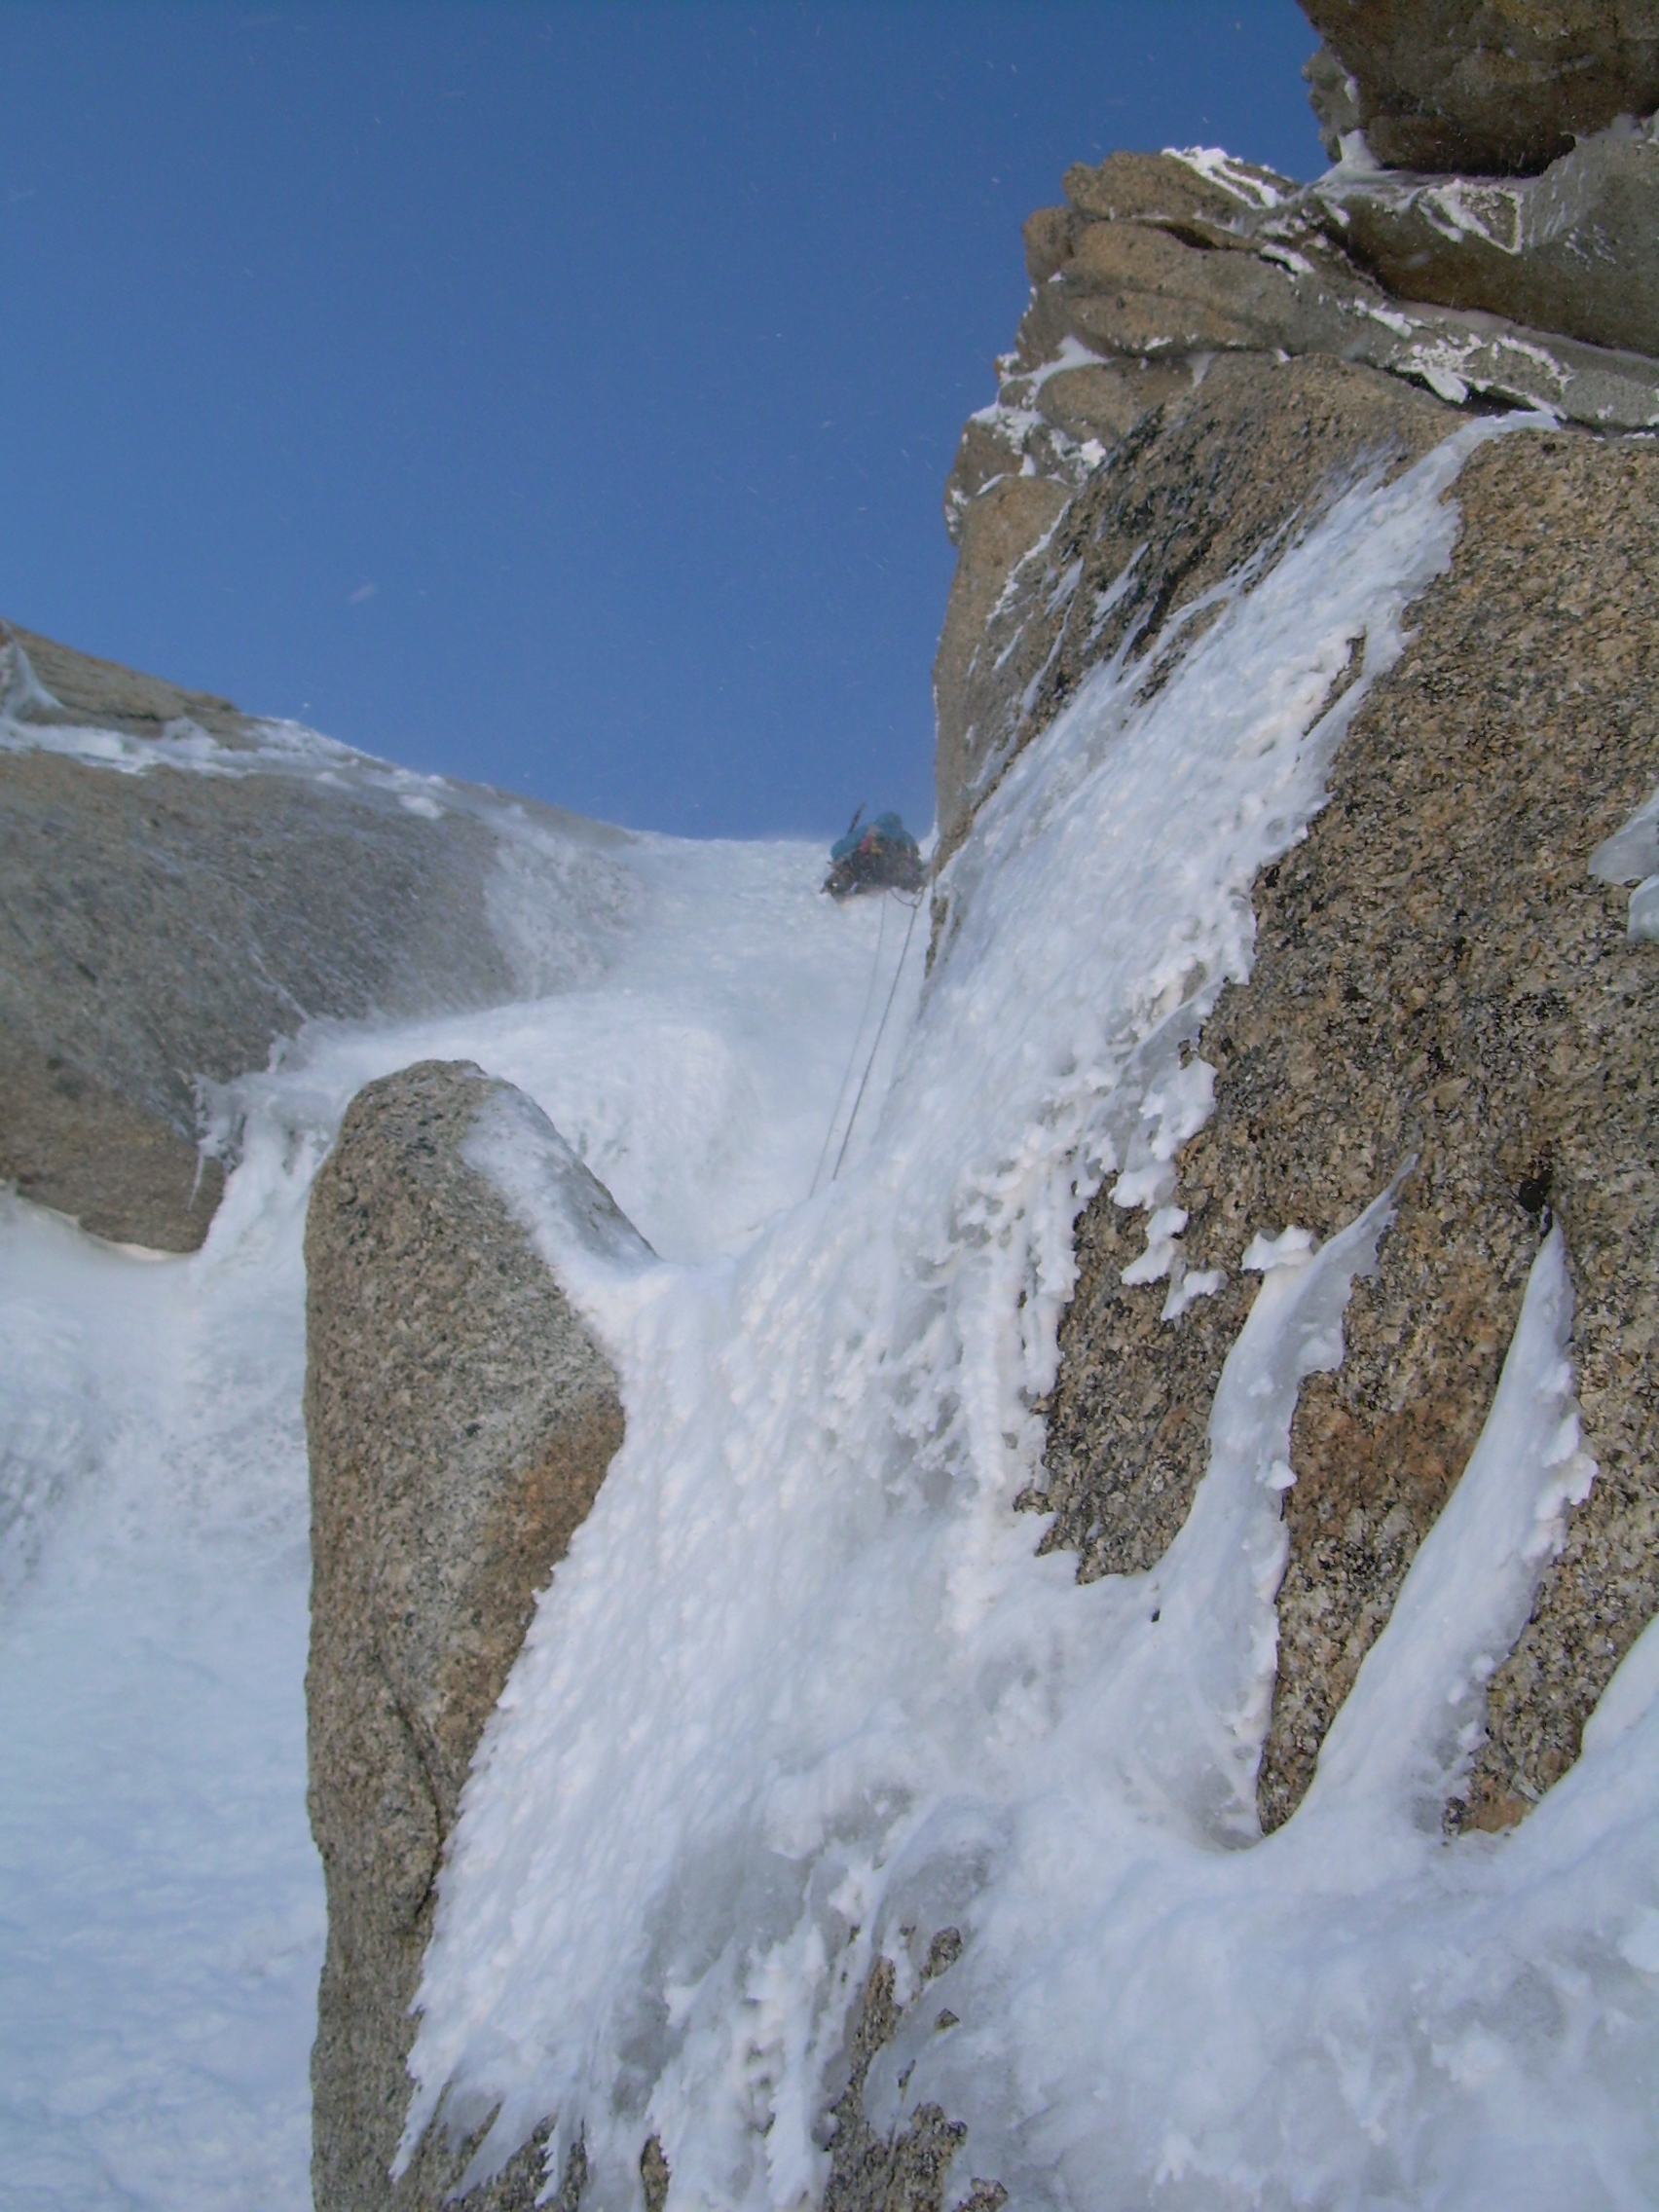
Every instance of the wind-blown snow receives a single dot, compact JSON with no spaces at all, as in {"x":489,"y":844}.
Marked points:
{"x":803,"y":1693}
{"x":159,"y":1899}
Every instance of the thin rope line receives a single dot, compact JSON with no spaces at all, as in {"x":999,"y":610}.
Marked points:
{"x":915,"y":909}
{"x":853,"y":1055}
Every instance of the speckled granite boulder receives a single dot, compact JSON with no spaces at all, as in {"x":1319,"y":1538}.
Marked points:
{"x":1487,"y":85}
{"x":460,"y":1419}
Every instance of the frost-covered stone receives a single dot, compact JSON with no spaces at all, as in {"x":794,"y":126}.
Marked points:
{"x":1438,"y":977}
{"x":1212,"y":475}
{"x":460,"y":1418}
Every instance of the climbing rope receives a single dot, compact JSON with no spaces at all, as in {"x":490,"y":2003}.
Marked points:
{"x":853,"y":1056}
{"x":914,"y":906}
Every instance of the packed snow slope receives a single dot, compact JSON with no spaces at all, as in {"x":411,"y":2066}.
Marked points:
{"x":161,"y":1899}
{"x":802,"y":1694}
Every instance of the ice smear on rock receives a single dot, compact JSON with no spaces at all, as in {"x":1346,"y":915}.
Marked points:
{"x":1630,"y":855}
{"x":801,"y":1692}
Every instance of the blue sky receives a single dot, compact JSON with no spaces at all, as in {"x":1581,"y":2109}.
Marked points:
{"x":557,"y":395}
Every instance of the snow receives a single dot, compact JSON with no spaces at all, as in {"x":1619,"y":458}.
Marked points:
{"x":1256,"y":188}
{"x":803,"y":1693}
{"x":161,"y":1903}
{"x":161,"y":1899}
{"x":1630,"y":855}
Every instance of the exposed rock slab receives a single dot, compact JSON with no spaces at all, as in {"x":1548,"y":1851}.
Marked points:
{"x":1481,"y":85}
{"x":460,"y":1418}
{"x":1245,"y":262}
{"x":1575,"y":250}
{"x":52,"y":685}
{"x":163,"y":924}
{"x":1436,"y":974}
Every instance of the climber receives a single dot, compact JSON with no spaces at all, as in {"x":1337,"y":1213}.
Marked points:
{"x":882,"y":857}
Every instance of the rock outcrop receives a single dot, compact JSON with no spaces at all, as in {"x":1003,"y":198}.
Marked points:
{"x":181,"y":886}
{"x":1497,"y":87}
{"x":1208,"y":356}
{"x":1207,"y":479}
{"x":1573,"y":251}
{"x":1440,"y":978}
{"x":460,"y":1419}
{"x":1443,"y":983}
{"x":1170,"y":290}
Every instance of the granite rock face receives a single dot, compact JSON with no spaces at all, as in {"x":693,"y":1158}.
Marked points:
{"x":1487,"y":85}
{"x":1438,"y":977}
{"x":181,"y":886}
{"x":460,"y":1419}
{"x":1209,"y":355}
{"x":908,"y":2170}
{"x":1575,"y":250}
{"x":1165,"y":290}
{"x":1205,"y":480}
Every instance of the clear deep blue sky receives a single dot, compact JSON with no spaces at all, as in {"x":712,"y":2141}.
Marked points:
{"x":558,"y":395}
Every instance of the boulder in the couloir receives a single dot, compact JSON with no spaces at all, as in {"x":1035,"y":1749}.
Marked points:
{"x":1496,"y":87}
{"x":461,"y":1416}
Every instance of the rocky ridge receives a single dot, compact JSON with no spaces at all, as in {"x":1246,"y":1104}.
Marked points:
{"x":1161,"y":270}
{"x":182,"y":886}
{"x":1208,"y":356}
{"x":1444,"y":984}
{"x":1481,"y":86}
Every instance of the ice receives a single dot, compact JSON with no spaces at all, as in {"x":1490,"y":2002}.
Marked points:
{"x":803,"y":1693}
{"x":1218,"y":166}
{"x":1630,"y":855}
{"x":1415,"y":1714}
